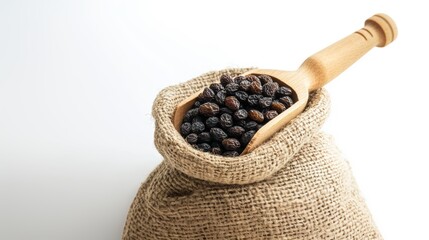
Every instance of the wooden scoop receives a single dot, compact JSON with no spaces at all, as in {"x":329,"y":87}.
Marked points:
{"x":314,"y":73}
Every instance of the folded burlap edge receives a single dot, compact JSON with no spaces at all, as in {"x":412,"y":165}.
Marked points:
{"x":255,"y":166}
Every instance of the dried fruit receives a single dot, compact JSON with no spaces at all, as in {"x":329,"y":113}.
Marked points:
{"x":247,"y":136}
{"x":269,"y":115}
{"x":265,"y":102}
{"x":226,"y":79}
{"x":212,"y":122}
{"x":190,"y":114}
{"x":256,"y":116}
{"x":250,"y":125}
{"x":241,"y":95}
{"x":226,"y":120}
{"x":226,"y":110}
{"x":231,"y":144}
{"x":220,"y":97}
{"x":239,"y":79}
{"x":265,"y":79}
{"x":208,"y":109}
{"x":185,"y":128}
{"x":236,"y":131}
{"x":232,"y":103}
{"x":240,"y":114}
{"x":216,"y":87}
{"x":197,"y":104}
{"x":231,"y":88}
{"x":204,"y":137}
{"x":278,"y":106}
{"x":255,"y":87}
{"x":253,"y":78}
{"x":284,"y":91}
{"x":205,"y":147}
{"x":198,"y":127}
{"x":270,"y":89}
{"x":253,"y":100}
{"x":218,"y":134}
{"x":230,"y":154}
{"x":244,"y":85}
{"x":216,"y":150}
{"x":287,"y":101}
{"x":192,"y":138}
{"x":207,"y":95}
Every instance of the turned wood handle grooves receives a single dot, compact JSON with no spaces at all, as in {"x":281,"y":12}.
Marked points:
{"x":322,"y":67}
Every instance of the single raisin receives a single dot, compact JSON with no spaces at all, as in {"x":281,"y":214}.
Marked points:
{"x":216,"y":150}
{"x":255,"y":87}
{"x":278,"y":106}
{"x":230,"y":154}
{"x":244,"y":85}
{"x":208,"y":109}
{"x":253,"y":78}
{"x":232,"y":103}
{"x":212,"y":122}
{"x":192,"y":138}
{"x":218,"y":134}
{"x":253,"y":100}
{"x":247,"y":136}
{"x":239,"y":79}
{"x":216,"y":87}
{"x":256,"y":116}
{"x":287,"y":101}
{"x":240,"y":114}
{"x":265,"y":102}
{"x":197,"y":119}
{"x":284,"y":91}
{"x":207,"y":95}
{"x":250,"y":125}
{"x":226,"y":79}
{"x":220,"y":97}
{"x":231,"y":144}
{"x":241,"y":95}
{"x":186,"y":128}
{"x":241,"y":123}
{"x":269,"y":115}
{"x":190,"y":114}
{"x":226,"y":120}
{"x":204,"y":137}
{"x":205,"y":147}
{"x":235,"y":131}
{"x":198,"y":127}
{"x":270,"y":89}
{"x":231,"y":88}
{"x":265,"y":79}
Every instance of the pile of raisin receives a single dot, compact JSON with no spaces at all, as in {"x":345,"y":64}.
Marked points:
{"x":226,"y":115}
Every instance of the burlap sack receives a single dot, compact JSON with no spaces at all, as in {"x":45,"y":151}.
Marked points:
{"x":294,"y":186}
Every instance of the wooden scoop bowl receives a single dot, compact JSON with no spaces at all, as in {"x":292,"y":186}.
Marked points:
{"x":314,"y":73}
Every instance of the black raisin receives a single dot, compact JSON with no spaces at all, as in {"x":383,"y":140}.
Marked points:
{"x":241,"y":95}
{"x":232,"y":103}
{"x":190,"y":114}
{"x":231,"y":88}
{"x":240,"y":114}
{"x":269,"y":115}
{"x":244,"y":85}
{"x":265,"y":79}
{"x":270,"y":89}
{"x":226,"y":79}
{"x":205,"y":147}
{"x":212,"y":122}
{"x":198,"y":127}
{"x":235,"y":131}
{"x":216,"y":150}
{"x":208,"y":109}
{"x":284,"y":91}
{"x":226,"y":110}
{"x":186,"y":128}
{"x":247,"y":136}
{"x":250,"y":125}
{"x":265,"y":102}
{"x":253,"y":100}
{"x":206,"y":95}
{"x":192,"y":138}
{"x":220,"y":97}
{"x":218,"y":134}
{"x":256,"y":116}
{"x":231,"y":144}
{"x":287,"y":101}
{"x":239,"y":79}
{"x":204,"y":137}
{"x":216,"y":87}
{"x":226,"y":120}
{"x":253,"y":78}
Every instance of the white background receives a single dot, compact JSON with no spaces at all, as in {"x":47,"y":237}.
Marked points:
{"x":78,"y":78}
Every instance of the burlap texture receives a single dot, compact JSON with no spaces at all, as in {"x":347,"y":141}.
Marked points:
{"x":294,"y":186}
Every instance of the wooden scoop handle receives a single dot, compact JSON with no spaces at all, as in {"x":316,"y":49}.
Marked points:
{"x":322,"y":67}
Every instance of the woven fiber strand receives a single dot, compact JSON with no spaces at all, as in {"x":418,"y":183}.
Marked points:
{"x":294,"y":186}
